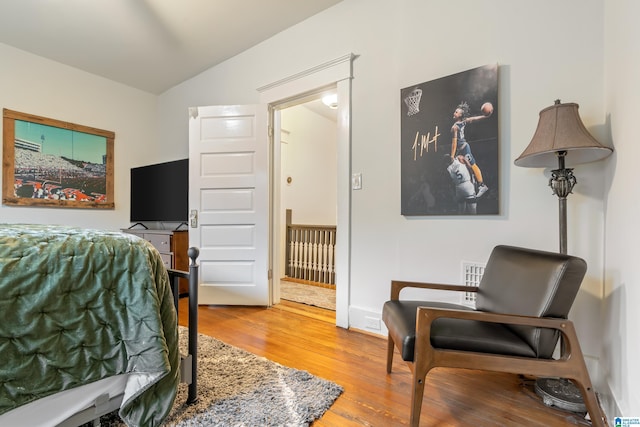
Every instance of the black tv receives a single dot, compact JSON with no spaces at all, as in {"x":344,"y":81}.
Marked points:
{"x":160,"y":192}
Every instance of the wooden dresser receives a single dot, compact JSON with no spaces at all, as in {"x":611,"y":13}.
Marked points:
{"x":172,"y":246}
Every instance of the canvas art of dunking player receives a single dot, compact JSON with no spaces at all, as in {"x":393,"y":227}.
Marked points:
{"x":449,"y":145}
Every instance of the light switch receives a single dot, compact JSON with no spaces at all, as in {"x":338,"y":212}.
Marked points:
{"x":356,"y":181}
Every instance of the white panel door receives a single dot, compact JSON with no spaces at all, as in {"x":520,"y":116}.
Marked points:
{"x":229,"y":191}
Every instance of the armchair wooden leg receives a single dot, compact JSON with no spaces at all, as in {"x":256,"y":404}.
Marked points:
{"x":571,"y":350}
{"x":591,"y":402}
{"x":420,"y":367}
{"x":390,"y":348}
{"x":417,"y":395}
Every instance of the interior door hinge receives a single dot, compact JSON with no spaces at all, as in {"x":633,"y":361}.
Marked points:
{"x":270,"y":274}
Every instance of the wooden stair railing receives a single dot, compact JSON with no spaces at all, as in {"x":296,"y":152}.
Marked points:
{"x":310,"y":252}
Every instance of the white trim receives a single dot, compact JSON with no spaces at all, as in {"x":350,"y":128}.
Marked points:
{"x":305,"y":81}
{"x":337,"y":72}
{"x":343,"y":217}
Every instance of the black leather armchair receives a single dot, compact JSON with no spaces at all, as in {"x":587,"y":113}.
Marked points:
{"x":521,"y":311}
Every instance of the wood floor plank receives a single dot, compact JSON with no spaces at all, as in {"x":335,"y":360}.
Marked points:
{"x":305,"y":338}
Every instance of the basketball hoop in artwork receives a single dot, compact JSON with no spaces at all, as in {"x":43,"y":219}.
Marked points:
{"x":413,"y":101}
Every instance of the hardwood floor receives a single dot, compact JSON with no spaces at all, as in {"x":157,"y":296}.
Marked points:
{"x":306,"y":338}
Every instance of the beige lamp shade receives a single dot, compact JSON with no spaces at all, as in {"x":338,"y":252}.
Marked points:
{"x":560,"y":129}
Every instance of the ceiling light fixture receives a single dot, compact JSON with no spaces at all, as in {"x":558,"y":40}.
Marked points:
{"x":331,"y":100}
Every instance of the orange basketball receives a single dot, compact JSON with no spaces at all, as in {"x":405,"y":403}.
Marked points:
{"x":487,"y":108}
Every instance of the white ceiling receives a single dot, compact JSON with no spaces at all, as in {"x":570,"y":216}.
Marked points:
{"x":151,"y":45}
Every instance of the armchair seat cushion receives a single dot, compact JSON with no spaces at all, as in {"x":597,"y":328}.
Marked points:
{"x":453,"y":334}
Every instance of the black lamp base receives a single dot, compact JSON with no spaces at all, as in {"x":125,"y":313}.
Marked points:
{"x":561,"y":393}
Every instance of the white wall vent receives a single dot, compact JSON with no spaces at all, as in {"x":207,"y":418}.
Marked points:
{"x":471,"y":275}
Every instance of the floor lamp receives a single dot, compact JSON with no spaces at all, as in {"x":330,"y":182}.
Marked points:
{"x":561,"y":139}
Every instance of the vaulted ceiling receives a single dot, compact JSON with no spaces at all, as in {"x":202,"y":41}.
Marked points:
{"x":151,"y":45}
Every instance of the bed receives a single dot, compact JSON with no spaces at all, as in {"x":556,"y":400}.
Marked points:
{"x":88,"y":325}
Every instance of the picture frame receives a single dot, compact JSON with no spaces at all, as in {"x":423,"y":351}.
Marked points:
{"x":449,"y":145}
{"x":52,"y":163}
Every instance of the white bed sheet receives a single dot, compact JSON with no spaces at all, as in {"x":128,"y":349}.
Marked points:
{"x":53,"y":410}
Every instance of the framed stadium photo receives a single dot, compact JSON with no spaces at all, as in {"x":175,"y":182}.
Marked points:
{"x":52,"y":163}
{"x":449,"y":145}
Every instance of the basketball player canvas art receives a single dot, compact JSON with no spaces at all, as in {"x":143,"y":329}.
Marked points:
{"x":449,"y":145}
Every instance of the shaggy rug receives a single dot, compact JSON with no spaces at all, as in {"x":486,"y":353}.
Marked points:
{"x":238,"y":388}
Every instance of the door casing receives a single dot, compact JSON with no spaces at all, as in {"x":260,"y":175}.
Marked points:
{"x":337,"y":74}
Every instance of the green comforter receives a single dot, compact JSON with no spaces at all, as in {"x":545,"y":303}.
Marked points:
{"x":79,"y":305}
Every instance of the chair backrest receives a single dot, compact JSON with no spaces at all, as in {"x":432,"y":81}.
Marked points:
{"x":529,"y":282}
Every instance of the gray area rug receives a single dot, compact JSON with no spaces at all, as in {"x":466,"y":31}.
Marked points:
{"x":238,"y":388}
{"x":308,"y":294}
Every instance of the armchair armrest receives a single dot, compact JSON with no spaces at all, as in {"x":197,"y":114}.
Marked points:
{"x":398,"y":285}
{"x":426,"y":316}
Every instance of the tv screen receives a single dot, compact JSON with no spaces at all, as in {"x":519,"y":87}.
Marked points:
{"x":160,"y":192}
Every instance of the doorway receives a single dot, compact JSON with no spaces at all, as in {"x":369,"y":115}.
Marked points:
{"x":308,"y":201}
{"x":336,"y":73}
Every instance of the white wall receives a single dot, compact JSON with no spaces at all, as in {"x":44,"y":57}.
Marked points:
{"x":546,"y":50}
{"x":621,"y":338}
{"x":34,"y":85}
{"x":309,"y":158}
